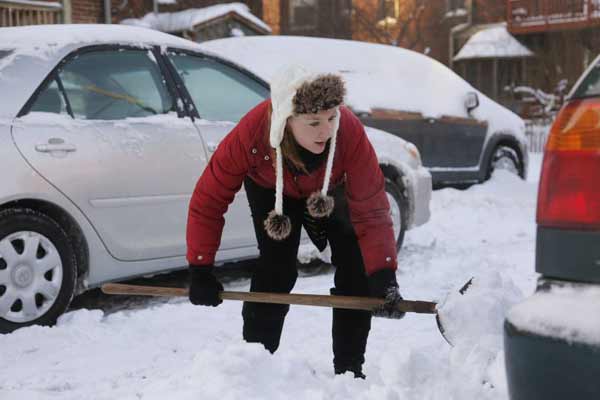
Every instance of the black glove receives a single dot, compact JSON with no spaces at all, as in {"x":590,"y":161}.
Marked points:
{"x":383,"y":284}
{"x":204,"y":286}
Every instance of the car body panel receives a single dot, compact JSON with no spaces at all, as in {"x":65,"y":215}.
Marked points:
{"x":111,"y":176}
{"x":538,"y":366}
{"x":416,"y":179}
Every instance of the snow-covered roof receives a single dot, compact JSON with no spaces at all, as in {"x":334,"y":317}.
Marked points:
{"x":493,"y":42}
{"x":188,"y":19}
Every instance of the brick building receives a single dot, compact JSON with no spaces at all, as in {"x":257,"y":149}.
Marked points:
{"x":331,"y":18}
{"x":26,"y":12}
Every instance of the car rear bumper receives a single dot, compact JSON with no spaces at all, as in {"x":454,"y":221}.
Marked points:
{"x":539,"y":367}
{"x":551,"y":343}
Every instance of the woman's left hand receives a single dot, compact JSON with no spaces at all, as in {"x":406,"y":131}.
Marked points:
{"x":383,"y":284}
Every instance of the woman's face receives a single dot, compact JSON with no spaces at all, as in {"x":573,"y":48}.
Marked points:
{"x":312,"y":131}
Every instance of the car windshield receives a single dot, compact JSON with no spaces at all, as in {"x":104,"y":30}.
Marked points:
{"x":590,"y":86}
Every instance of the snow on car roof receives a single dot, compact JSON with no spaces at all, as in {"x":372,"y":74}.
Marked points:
{"x":28,"y":53}
{"x":377,"y":76}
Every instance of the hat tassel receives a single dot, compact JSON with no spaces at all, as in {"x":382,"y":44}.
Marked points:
{"x":319,"y":204}
{"x":278,"y":225}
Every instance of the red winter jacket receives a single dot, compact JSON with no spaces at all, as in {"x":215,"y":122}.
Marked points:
{"x":245,"y":151}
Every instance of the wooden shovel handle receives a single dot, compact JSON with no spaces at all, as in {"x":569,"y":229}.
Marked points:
{"x":347,"y":302}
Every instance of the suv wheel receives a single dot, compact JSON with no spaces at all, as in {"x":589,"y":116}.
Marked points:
{"x":37,"y":269}
{"x":505,"y":158}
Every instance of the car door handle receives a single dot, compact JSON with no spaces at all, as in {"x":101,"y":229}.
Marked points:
{"x":55,"y":147}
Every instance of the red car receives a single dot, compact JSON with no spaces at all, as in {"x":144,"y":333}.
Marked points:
{"x":552,"y":339}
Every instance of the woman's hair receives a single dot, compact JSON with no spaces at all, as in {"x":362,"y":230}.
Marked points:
{"x":289,"y":147}
{"x":325,"y":92}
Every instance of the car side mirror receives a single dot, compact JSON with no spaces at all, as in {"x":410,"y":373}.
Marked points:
{"x":471,"y":101}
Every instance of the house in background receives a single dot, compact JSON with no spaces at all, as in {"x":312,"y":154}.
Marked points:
{"x":495,"y":62}
{"x":564,"y":35}
{"x":201,"y":24}
{"x":539,"y":44}
{"x":28,"y":12}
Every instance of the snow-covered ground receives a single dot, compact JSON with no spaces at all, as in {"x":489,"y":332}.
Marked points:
{"x":174,"y":350}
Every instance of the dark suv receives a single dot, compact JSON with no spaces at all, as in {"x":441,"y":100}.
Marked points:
{"x":552,"y":339}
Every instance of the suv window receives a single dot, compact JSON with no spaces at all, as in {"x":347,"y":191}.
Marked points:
{"x":219,"y":92}
{"x":50,"y":100}
{"x":590,"y":86}
{"x":5,"y":53}
{"x":115,"y":84}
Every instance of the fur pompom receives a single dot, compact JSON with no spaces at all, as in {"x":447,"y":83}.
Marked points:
{"x":319,"y":206}
{"x":278,"y":227}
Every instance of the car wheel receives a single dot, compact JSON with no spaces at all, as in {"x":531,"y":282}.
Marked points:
{"x":505,"y":158}
{"x":37,"y":269}
{"x":398,"y":209}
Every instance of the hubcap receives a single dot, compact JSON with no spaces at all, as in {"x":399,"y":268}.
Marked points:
{"x":395,"y":214}
{"x":31,"y":277}
{"x":22,"y":276}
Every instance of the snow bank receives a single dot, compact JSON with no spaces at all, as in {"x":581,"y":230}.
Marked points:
{"x":172,"y":349}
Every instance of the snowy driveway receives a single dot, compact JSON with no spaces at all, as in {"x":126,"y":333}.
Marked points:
{"x":174,"y":350}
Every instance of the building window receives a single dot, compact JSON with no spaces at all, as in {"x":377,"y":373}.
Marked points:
{"x":455,"y":8}
{"x":303,"y":14}
{"x":453,"y":5}
{"x":388,"y":12}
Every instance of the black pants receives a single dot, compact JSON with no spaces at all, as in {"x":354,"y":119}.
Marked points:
{"x":276,"y":272}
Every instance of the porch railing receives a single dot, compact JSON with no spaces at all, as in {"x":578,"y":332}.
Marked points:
{"x":19,"y":13}
{"x":529,"y":16}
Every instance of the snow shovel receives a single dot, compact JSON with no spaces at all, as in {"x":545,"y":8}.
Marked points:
{"x":346,"y":302}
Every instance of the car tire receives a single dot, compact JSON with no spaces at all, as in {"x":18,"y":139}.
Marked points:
{"x":37,"y":269}
{"x":506,"y":158}
{"x":398,"y":209}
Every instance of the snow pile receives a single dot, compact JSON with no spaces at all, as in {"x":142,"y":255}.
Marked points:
{"x":477,"y":310}
{"x":172,"y":349}
{"x":570,"y":313}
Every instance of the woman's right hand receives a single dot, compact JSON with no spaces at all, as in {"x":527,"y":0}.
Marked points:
{"x":204,"y":286}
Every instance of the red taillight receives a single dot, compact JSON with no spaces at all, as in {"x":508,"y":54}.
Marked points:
{"x":569,"y":193}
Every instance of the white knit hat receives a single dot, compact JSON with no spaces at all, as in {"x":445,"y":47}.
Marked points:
{"x":284,"y":87}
